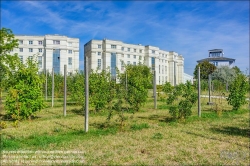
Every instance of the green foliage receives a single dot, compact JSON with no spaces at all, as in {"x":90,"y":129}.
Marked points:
{"x":238,"y":90}
{"x":7,"y":62}
{"x":224,"y":74}
{"x":237,"y":70}
{"x":24,"y":97}
{"x":139,"y":79}
{"x":167,"y":87}
{"x":188,"y":98}
{"x":139,"y":126}
{"x":76,"y":88}
{"x":176,"y":93}
{"x":99,"y":89}
{"x":206,"y":68}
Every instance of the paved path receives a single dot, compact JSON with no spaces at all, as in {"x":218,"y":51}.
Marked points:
{"x":223,"y":97}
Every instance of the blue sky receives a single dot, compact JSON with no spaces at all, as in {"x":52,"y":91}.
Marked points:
{"x":188,"y":28}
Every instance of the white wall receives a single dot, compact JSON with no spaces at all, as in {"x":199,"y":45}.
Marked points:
{"x":164,"y":59}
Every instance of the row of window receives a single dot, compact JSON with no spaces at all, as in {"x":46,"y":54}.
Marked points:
{"x":40,"y":42}
{"x":162,"y":69}
{"x":128,"y":49}
{"x":99,"y":64}
{"x":40,"y":50}
{"x":31,"y":50}
{"x":40,"y":61}
{"x":163,"y":79}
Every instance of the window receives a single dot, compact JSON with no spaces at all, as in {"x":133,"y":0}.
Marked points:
{"x":153,"y":51}
{"x":30,"y":42}
{"x":30,"y":57}
{"x":153,"y":63}
{"x":166,"y":79}
{"x":122,"y":55}
{"x":166,"y":70}
{"x":69,"y":43}
{"x":122,"y":65}
{"x":159,"y":68}
{"x":128,"y":56}
{"x":56,"y":60}
{"x":134,"y":63}
{"x":128,"y":49}
{"x":99,"y":46}
{"x":134,"y":56}
{"x":40,"y":42}
{"x":99,"y":64}
{"x":139,"y":57}
{"x":30,"y":49}
{"x":40,"y":50}
{"x":70,"y":51}
{"x":134,"y":50}
{"x":113,"y":46}
{"x":128,"y":62}
{"x":70,"y":62}
{"x":20,"y":49}
{"x":140,"y":51}
{"x":113,"y":65}
{"x":122,"y":48}
{"x":40,"y":62}
{"x":99,"y":53}
{"x":162,"y":69}
{"x":56,"y":41}
{"x":159,"y":79}
{"x":20,"y":41}
{"x":21,"y":58}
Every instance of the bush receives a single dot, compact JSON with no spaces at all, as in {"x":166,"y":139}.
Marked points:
{"x":182,"y":110}
{"x":24,"y":97}
{"x":238,"y":90}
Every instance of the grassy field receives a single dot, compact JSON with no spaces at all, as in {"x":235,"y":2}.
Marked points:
{"x":148,"y":137}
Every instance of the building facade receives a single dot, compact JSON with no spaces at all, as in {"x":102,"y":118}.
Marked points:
{"x":50,"y":51}
{"x":103,"y":54}
{"x":216,"y":57}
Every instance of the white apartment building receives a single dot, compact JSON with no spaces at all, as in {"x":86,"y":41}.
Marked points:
{"x":103,"y":54}
{"x":51,"y":51}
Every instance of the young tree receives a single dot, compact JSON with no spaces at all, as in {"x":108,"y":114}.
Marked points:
{"x":206,"y":68}
{"x":237,"y":70}
{"x":188,"y":98}
{"x":238,"y":90}
{"x":225,"y":74}
{"x":99,"y":88}
{"x":7,"y":61}
{"x":77,"y":88}
{"x":138,"y":80}
{"x":24,"y":97}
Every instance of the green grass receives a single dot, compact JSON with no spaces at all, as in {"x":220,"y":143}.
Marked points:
{"x":148,"y":137}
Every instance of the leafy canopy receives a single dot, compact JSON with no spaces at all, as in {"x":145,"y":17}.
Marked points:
{"x":206,"y":68}
{"x":24,"y":97}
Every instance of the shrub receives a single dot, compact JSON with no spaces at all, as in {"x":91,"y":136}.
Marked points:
{"x":24,"y":97}
{"x":238,"y":90}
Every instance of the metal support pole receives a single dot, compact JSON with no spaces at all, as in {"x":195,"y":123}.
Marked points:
{"x":209,"y":90}
{"x":126,"y":82}
{"x":52,"y":97}
{"x":209,"y":87}
{"x":155,"y":96}
{"x":65,"y":90}
{"x":46,"y":85}
{"x":86,"y":94}
{"x":199,"y":89}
